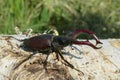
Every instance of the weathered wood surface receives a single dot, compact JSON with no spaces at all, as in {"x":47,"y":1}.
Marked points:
{"x":102,"y":64}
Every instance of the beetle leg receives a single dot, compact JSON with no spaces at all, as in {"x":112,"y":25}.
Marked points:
{"x":70,"y":65}
{"x":59,"y":52}
{"x":57,"y":56}
{"x":25,"y":60}
{"x":45,"y":62}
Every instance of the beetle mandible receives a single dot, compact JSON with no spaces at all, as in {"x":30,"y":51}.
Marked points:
{"x":48,"y":43}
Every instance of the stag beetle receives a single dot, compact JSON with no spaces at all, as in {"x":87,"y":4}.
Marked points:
{"x":48,"y":43}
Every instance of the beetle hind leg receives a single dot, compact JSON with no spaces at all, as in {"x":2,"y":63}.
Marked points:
{"x":24,"y":60}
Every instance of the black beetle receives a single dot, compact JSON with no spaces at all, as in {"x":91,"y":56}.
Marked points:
{"x":48,"y":43}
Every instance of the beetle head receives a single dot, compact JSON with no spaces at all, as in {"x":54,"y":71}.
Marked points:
{"x":62,"y":41}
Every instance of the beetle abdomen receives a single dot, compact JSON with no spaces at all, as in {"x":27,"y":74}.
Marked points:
{"x":39,"y":43}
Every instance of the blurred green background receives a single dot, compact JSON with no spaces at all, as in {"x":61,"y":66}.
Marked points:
{"x":100,"y":16}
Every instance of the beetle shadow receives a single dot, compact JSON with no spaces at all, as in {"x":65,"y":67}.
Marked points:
{"x":71,"y":55}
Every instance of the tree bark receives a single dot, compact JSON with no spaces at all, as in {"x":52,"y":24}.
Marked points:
{"x":99,"y":64}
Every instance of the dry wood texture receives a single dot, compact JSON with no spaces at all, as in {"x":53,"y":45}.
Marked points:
{"x":102,"y":64}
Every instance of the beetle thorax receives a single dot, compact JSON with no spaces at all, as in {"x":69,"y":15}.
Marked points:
{"x":61,"y":41}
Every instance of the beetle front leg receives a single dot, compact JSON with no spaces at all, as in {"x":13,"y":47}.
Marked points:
{"x":70,"y":65}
